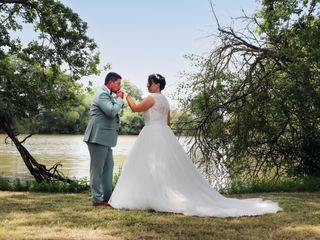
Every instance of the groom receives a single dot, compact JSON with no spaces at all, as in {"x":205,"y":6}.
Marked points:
{"x":101,"y":134}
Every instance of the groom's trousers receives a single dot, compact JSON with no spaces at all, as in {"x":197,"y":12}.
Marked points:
{"x":101,"y":172}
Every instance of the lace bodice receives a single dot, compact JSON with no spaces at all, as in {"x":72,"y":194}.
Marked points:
{"x":158,"y":113}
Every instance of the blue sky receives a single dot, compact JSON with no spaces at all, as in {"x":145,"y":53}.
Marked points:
{"x":152,"y":36}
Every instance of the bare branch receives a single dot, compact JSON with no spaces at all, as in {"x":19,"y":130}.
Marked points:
{"x":214,"y":13}
{"x":31,"y":134}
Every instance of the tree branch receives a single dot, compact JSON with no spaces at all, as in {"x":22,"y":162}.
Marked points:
{"x":26,"y":138}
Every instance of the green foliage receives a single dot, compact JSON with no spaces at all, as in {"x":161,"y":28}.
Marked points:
{"x":61,"y":36}
{"x":74,"y":118}
{"x":255,"y":100}
{"x":69,"y":120}
{"x":41,"y":75}
{"x":293,"y":184}
{"x":54,"y":187}
{"x":31,"y":79}
{"x":181,"y":122}
{"x":131,"y":123}
{"x":5,"y":184}
{"x":132,"y":89}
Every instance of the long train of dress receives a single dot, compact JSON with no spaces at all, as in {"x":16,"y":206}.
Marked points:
{"x":159,"y":175}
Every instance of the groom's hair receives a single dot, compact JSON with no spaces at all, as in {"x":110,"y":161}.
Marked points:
{"x":157,"y":78}
{"x":112,"y":76}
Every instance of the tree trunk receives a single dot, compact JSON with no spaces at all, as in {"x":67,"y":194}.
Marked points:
{"x":38,"y":171}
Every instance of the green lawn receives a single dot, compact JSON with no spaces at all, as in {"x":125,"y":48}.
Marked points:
{"x":29,"y":215}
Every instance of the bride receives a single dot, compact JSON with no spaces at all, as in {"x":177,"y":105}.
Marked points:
{"x":159,"y":175}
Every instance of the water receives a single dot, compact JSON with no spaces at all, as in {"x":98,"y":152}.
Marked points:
{"x":69,"y":150}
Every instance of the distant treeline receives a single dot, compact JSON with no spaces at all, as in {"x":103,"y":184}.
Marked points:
{"x":74,"y":120}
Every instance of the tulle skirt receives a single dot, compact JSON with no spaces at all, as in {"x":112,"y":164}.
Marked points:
{"x":159,"y":175}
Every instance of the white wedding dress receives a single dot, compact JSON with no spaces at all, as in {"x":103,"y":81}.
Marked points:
{"x":159,"y":175}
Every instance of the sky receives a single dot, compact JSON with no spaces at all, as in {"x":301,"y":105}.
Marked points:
{"x":142,"y":37}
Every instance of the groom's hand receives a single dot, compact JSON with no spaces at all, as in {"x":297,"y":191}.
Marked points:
{"x":120,"y":94}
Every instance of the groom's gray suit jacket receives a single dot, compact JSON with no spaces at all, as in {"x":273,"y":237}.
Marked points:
{"x":104,"y":123}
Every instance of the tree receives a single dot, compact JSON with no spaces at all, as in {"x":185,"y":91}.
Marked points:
{"x":55,"y":121}
{"x":131,"y":123}
{"x":255,"y":98}
{"x":31,"y":77}
{"x":75,"y":119}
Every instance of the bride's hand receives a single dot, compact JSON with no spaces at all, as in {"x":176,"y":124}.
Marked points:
{"x":124,"y":92}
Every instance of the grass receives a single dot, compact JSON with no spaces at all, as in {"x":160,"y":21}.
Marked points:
{"x":32,"y":215}
{"x":286,"y":184}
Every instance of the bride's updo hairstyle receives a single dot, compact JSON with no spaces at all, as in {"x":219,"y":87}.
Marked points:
{"x":157,"y":78}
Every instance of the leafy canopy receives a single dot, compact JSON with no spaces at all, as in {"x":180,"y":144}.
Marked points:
{"x":41,"y":73}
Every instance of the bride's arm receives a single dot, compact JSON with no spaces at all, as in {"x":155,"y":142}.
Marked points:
{"x":169,"y":119}
{"x":142,"y":106}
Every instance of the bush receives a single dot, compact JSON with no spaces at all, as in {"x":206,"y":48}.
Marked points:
{"x":293,"y":184}
{"x":61,"y":187}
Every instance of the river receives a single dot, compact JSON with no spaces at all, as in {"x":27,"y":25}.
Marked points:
{"x":69,"y":150}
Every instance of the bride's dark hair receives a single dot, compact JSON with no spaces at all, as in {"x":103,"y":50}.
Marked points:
{"x":157,"y":78}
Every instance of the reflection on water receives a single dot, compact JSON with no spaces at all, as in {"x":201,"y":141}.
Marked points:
{"x":69,"y":150}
